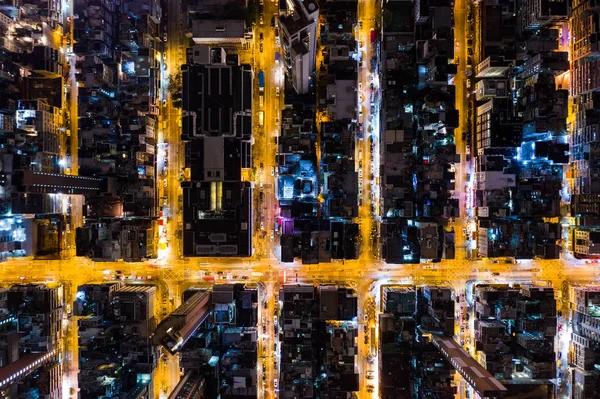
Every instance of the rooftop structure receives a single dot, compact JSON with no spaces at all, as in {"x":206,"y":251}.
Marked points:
{"x":217,"y":126}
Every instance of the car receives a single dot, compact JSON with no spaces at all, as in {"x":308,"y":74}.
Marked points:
{"x":370,"y":375}
{"x":272,"y":170}
{"x":272,"y":234}
{"x":275,"y":383}
{"x":262,"y":224}
{"x":359,"y":86}
{"x":361,"y":44}
{"x":165,"y":36}
{"x":261,"y":19}
{"x":370,"y":388}
{"x":264,"y":329}
{"x":366,"y":318}
{"x":262,"y":196}
{"x":277,"y":121}
{"x":277,"y":91}
{"x":262,"y":48}
{"x":273,"y":22}
{"x":262,"y":38}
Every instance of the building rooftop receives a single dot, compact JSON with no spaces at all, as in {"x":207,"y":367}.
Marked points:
{"x":203,"y":30}
{"x":474,"y":373}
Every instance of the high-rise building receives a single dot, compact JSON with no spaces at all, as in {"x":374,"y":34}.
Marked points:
{"x":299,"y":41}
{"x":217,"y":130}
{"x":30,"y":341}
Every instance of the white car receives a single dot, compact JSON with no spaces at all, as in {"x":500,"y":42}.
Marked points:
{"x":359,"y":86}
{"x":277,"y":91}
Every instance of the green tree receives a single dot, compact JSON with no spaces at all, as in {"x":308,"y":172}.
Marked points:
{"x":174,"y":88}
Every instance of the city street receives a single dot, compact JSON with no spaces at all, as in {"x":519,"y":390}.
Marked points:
{"x":368,"y":146}
{"x":172,"y":273}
